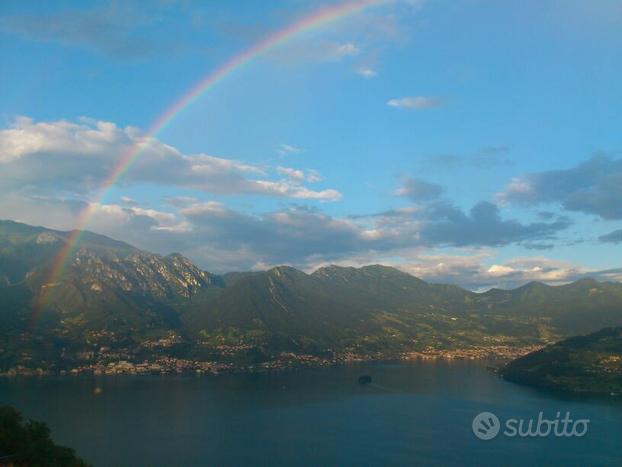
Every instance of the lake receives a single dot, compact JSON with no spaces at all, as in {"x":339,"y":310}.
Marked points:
{"x":416,"y":413}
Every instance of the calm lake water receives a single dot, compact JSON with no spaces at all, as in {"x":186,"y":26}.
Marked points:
{"x":412,"y":414}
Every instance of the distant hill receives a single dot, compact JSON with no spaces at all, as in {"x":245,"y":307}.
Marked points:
{"x":583,"y":364}
{"x":117,"y":301}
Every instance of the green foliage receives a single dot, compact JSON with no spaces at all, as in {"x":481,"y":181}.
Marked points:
{"x":30,"y":442}
{"x":115,"y":296}
{"x":582,"y":364}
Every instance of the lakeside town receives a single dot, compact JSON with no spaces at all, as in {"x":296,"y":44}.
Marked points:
{"x":121,"y":363}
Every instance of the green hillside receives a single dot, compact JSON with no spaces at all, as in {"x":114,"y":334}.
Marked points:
{"x":582,"y":364}
{"x":117,"y":303}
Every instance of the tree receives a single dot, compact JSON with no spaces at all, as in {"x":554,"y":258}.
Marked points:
{"x":31,"y":444}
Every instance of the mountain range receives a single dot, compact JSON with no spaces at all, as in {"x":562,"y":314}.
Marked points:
{"x":118,"y":301}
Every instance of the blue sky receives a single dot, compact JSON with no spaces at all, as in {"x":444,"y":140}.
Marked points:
{"x":475,"y":142}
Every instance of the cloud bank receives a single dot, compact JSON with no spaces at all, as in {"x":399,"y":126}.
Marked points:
{"x":78,"y":156}
{"x":592,"y":187}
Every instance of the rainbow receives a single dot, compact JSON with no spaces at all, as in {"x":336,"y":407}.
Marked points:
{"x":315,"y":20}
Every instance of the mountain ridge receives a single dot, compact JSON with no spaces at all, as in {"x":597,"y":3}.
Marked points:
{"x":92,"y":239}
{"x":148,"y":306}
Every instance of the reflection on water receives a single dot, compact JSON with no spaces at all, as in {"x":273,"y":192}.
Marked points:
{"x":411,"y":414}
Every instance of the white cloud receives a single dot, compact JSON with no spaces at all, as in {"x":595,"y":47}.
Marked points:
{"x":114,"y":219}
{"x":84,"y":138}
{"x":366,"y":72}
{"x":311,"y":176}
{"x":78,"y":156}
{"x":498,"y":270}
{"x":291,"y":173}
{"x":348,"y":49}
{"x":419,"y":102}
{"x":293,"y":190}
{"x":474,"y":270}
{"x":515,"y":189}
{"x":128,"y":200}
{"x":285,"y":149}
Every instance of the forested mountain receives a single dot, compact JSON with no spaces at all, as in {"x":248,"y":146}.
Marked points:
{"x":137,"y":305}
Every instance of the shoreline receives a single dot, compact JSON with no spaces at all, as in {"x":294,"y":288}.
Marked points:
{"x":177,"y":367}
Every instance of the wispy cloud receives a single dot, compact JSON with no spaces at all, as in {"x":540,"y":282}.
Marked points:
{"x":318,"y":51}
{"x":110,"y":30}
{"x":612,"y":237}
{"x":286,"y":149}
{"x":311,"y":176}
{"x":129,"y":201}
{"x":418,"y":190}
{"x":418,"y":102}
{"x":366,"y":72}
{"x":348,"y":49}
{"x":485,"y":158}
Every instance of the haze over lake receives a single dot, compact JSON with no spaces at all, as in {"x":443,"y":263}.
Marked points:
{"x":416,"y":413}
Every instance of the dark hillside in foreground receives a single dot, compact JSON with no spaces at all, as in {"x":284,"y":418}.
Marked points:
{"x":28,"y":443}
